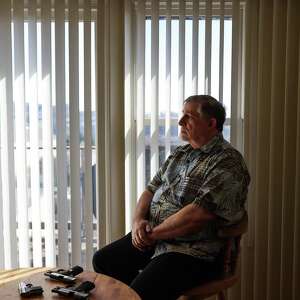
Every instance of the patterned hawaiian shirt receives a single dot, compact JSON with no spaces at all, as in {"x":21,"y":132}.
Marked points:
{"x":215,"y":177}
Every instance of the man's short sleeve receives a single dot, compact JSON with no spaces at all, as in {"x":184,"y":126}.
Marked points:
{"x":157,"y":180}
{"x":224,"y":191}
{"x":155,"y":183}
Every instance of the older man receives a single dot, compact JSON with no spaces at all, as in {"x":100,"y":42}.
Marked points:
{"x":202,"y":185}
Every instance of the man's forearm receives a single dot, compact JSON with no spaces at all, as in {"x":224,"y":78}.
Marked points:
{"x":143,"y":205}
{"x":140,"y":226}
{"x":188,"y":220}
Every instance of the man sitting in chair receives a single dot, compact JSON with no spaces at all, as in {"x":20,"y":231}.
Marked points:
{"x":201,"y":187}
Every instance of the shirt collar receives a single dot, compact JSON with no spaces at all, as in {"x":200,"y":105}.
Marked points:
{"x":207,"y":147}
{"x":212,"y":143}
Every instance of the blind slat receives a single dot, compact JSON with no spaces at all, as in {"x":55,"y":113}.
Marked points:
{"x":276,"y":150}
{"x":88,"y":197}
{"x":20,"y":159}
{"x":60,"y":72}
{"x":262,"y":149}
{"x":154,"y":87}
{"x":241,"y":81}
{"x":7,"y":137}
{"x":48,"y":199}
{"x":251,"y":58}
{"x":107,"y":111}
{"x":208,"y":29}
{"x":221,"y":53}
{"x":168,"y":80}
{"x":101,"y":139}
{"x":289,"y":149}
{"x":234,"y":73}
{"x":195,"y":46}
{"x":296,"y":258}
{"x":74,"y":132}
{"x":181,"y":66}
{"x":140,"y":101}
{"x":34,"y":137}
{"x":129,"y":107}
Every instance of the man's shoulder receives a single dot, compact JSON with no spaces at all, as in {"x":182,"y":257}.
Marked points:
{"x":226,"y":150}
{"x":229,"y":157}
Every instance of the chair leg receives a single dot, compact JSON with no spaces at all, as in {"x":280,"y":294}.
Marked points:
{"x":221,"y":296}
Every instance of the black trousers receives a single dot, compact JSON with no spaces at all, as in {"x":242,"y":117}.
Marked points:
{"x":164,"y":277}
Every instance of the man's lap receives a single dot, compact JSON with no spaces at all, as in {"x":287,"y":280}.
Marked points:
{"x":121,"y":260}
{"x":169,"y":274}
{"x":163,"y":277}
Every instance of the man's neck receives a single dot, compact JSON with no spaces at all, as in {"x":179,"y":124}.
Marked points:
{"x":196,"y":144}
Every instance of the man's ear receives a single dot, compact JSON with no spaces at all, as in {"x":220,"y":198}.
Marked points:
{"x":212,"y":123}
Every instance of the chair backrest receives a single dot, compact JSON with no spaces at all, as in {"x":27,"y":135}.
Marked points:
{"x":232,"y":235}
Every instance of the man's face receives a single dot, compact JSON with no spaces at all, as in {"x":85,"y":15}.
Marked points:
{"x":194,"y":125}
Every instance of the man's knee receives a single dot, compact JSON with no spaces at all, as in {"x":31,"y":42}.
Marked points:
{"x":108,"y":259}
{"x":99,"y":259}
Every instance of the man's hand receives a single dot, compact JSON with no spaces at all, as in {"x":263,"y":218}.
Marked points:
{"x":140,"y":235}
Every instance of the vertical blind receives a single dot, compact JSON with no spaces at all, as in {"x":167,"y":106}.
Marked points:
{"x":257,"y":79}
{"x":270,"y":263}
{"x":177,"y":49}
{"x":47,"y":118}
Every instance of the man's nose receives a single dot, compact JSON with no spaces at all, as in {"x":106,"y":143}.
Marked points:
{"x":181,"y":121}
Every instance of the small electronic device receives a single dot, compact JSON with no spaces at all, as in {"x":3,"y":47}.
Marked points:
{"x":77,"y":292}
{"x":27,"y":289}
{"x":66,"y":276}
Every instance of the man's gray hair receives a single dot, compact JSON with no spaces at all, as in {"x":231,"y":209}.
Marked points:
{"x":210,"y":108}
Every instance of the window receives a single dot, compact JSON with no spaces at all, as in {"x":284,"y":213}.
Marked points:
{"x":175,"y":103}
{"x":181,"y":48}
{"x":50,"y":62}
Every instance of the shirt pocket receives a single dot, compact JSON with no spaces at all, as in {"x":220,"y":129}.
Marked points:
{"x":188,"y":189}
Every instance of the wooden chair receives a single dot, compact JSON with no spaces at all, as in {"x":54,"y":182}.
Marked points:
{"x":232,"y":235}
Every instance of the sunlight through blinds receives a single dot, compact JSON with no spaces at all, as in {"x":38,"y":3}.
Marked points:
{"x":74,"y":131}
{"x":7,"y":138}
{"x":48,"y":133}
{"x":154,"y":125}
{"x":60,"y":80}
{"x":21,"y":153}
